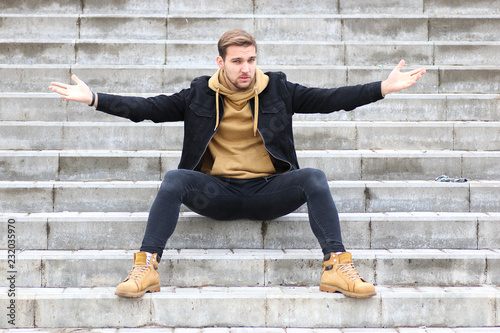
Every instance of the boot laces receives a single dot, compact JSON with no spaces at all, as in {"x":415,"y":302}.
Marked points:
{"x":138,"y":272}
{"x":349,"y":271}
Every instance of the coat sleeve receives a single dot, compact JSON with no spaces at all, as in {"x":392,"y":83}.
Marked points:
{"x":161,"y":108}
{"x":319,"y":100}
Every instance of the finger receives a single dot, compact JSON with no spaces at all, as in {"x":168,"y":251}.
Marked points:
{"x":420,"y":71}
{"x":58,"y":90}
{"x":401,"y":64}
{"x":59,"y":84}
{"x":416,"y":77}
{"x":75,"y":79}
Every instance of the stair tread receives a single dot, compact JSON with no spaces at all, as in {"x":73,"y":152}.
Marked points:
{"x":398,"y":96}
{"x":256,"y":15}
{"x":273,"y":67}
{"x":484,"y":291}
{"x":97,"y":40}
{"x":310,"y":123}
{"x":258,"y":254}
{"x":85,"y":216}
{"x":395,"y":153}
{"x":155,"y":329}
{"x":153,"y":183}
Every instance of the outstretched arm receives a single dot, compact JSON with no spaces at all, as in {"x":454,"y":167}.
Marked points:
{"x":77,"y":93}
{"x":398,"y":81}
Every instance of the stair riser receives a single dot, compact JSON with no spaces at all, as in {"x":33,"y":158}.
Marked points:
{"x":291,"y":232}
{"x":332,"y":136}
{"x":330,"y":28}
{"x":160,"y":53}
{"x":427,"y":54}
{"x":419,"y":108}
{"x":350,"y":197}
{"x":302,"y":307}
{"x":38,"y":6}
{"x":336,"y":165}
{"x":161,"y":78}
{"x":49,"y":107}
{"x":196,"y":271}
{"x":258,"y":6}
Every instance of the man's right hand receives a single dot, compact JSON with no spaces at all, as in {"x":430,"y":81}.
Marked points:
{"x":77,"y":93}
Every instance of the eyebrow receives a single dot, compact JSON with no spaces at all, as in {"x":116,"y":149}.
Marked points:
{"x":239,"y":58}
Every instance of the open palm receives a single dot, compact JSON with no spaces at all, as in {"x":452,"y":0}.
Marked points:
{"x":397,"y":80}
{"x":77,"y":93}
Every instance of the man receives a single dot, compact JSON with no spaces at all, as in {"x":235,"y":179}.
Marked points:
{"x":238,"y":158}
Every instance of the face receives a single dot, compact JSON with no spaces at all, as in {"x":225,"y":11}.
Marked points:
{"x":239,"y":66}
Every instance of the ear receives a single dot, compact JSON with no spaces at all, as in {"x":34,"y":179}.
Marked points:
{"x":220,"y":62}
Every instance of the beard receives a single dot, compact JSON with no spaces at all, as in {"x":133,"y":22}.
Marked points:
{"x":240,"y":85}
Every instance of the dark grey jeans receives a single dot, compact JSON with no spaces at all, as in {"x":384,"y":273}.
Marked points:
{"x":257,"y":199}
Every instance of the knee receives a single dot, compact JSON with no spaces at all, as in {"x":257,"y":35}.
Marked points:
{"x":314,"y":176}
{"x":173,"y":179}
{"x":174,"y":174}
{"x":315,"y":180}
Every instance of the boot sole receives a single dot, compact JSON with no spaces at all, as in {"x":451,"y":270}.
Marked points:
{"x":332,"y":289}
{"x":150,"y":289}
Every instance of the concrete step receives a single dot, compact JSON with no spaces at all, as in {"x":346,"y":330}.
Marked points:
{"x":428,"y":107}
{"x":148,"y":78}
{"x":308,"y":135}
{"x":103,"y":165}
{"x":350,"y":196}
{"x":253,"y":268}
{"x":361,"y":42}
{"x":323,"y":27}
{"x":431,"y":7}
{"x":97,"y":231}
{"x":395,"y":107}
{"x":258,"y":7}
{"x":182,"y":53}
{"x":256,"y":307}
{"x":155,"y":329}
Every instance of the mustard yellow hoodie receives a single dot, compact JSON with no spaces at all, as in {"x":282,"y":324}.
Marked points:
{"x":236,"y":151}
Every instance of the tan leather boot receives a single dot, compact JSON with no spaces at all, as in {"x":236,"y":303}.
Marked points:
{"x":340,"y":275}
{"x":142,"y":278}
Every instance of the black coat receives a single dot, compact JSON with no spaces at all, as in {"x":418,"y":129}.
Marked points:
{"x":278,"y":102}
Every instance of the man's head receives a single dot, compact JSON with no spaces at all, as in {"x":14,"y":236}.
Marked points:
{"x":235,"y":37}
{"x":238,"y":58}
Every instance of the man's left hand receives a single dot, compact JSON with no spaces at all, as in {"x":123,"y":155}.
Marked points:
{"x":398,"y":81}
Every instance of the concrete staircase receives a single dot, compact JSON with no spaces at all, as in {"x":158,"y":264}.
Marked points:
{"x":77,"y":184}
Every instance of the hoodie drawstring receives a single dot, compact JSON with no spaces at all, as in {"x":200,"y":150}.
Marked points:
{"x":217,"y":109}
{"x":237,"y":99}
{"x":256,"y":116}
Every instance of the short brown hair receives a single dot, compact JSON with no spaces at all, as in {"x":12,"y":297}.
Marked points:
{"x":235,"y":37}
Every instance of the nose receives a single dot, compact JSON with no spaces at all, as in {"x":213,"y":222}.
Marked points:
{"x":245,"y":68}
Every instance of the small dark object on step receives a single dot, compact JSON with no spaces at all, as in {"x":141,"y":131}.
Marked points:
{"x":447,"y":179}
